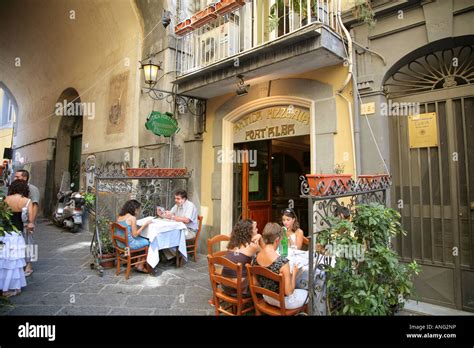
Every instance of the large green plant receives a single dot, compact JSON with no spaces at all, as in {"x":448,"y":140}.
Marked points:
{"x":5,"y":219}
{"x":369,"y":280}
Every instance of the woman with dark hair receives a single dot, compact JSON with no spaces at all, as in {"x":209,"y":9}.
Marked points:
{"x":293,"y":231}
{"x":12,"y":274}
{"x":128,"y":218}
{"x":244,"y":243}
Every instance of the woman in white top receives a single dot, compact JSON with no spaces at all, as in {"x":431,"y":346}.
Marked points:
{"x":293,"y":231}
{"x":12,"y":260}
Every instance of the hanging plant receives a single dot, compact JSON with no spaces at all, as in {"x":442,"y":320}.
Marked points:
{"x":363,"y":11}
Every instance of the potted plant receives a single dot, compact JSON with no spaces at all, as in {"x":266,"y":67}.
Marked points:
{"x":371,"y":281}
{"x":203,"y":16}
{"x":327,"y":184}
{"x":108,"y":250}
{"x":299,"y":7}
{"x":183,"y":27}
{"x":225,"y":6}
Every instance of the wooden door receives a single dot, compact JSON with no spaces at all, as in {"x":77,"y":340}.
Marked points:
{"x":256,"y":183}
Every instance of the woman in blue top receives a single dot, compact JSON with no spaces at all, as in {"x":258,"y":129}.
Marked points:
{"x":128,"y":219}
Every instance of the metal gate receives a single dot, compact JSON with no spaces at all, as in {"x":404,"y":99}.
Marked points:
{"x":433,"y":188}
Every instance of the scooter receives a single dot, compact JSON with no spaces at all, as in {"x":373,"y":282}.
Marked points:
{"x":70,"y":206}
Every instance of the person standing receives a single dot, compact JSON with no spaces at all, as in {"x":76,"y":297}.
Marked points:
{"x":12,"y":275}
{"x":34,"y":196}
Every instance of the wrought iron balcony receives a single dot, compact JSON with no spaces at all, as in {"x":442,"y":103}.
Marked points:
{"x":214,"y":35}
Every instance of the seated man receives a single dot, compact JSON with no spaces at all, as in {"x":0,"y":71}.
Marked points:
{"x":184,"y":211}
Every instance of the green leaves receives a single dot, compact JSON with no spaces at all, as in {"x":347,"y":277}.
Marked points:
{"x":378,"y":283}
{"x":5,"y":219}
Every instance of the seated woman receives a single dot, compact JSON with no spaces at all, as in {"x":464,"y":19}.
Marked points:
{"x":128,"y":219}
{"x":243,"y":245}
{"x":293,"y":231}
{"x":269,"y":258}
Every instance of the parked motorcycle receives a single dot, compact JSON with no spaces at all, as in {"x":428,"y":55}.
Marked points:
{"x":70,"y":207}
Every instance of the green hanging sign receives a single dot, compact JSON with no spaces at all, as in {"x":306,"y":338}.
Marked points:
{"x":162,"y":124}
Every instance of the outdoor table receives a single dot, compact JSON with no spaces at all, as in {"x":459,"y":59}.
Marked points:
{"x":163,"y":234}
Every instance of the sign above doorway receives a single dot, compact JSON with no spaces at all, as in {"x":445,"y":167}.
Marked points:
{"x":272,"y":122}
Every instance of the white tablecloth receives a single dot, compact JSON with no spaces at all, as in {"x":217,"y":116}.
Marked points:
{"x":301,"y":257}
{"x":164,"y":234}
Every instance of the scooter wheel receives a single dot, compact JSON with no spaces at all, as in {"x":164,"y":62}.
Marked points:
{"x":75,"y":228}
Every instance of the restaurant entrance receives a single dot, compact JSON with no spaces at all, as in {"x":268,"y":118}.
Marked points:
{"x":267,"y":181}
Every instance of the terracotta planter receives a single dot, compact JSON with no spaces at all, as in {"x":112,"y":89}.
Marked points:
{"x":322,"y":184}
{"x":152,"y":172}
{"x":225,"y":6}
{"x":183,"y":28}
{"x":108,"y":260}
{"x":204,"y":16}
{"x":373,"y":180}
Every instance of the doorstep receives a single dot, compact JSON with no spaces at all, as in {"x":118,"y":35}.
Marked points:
{"x":423,"y":308}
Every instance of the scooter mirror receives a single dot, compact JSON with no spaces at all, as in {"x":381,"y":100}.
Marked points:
{"x":72,"y":185}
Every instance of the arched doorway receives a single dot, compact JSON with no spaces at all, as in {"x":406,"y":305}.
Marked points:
{"x":69,"y":120}
{"x":433,"y":176}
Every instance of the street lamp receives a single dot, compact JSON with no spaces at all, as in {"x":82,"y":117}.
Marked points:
{"x":150,"y":72}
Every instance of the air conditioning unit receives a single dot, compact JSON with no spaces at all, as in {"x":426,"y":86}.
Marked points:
{"x":219,"y":43}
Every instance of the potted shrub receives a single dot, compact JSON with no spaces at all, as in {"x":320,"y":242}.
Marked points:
{"x":372,"y":281}
{"x":108,"y":250}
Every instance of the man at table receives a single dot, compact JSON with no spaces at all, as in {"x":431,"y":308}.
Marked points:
{"x":183,"y":211}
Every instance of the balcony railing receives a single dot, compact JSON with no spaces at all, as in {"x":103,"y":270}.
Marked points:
{"x":252,"y":25}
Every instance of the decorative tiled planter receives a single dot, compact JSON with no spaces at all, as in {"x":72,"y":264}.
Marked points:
{"x":324,"y":184}
{"x":225,"y":6}
{"x":204,"y":16}
{"x":156,"y":172}
{"x":183,"y":28}
{"x":373,"y":181}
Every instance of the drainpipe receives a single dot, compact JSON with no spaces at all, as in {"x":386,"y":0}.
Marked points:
{"x":354,"y":124}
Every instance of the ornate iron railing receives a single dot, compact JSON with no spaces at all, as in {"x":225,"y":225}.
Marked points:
{"x":325,"y":200}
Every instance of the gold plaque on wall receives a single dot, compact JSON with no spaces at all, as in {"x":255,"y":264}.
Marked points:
{"x":423,"y":130}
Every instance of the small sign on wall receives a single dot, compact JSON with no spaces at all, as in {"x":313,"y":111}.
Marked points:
{"x":367,"y":108}
{"x":423,"y":130}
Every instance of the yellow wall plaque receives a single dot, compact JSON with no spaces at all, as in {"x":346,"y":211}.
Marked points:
{"x":423,"y":130}
{"x":367,"y":108}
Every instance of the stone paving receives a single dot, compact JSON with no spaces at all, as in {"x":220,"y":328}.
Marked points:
{"x":64,"y":284}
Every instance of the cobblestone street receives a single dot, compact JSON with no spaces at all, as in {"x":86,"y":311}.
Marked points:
{"x":64,"y":284}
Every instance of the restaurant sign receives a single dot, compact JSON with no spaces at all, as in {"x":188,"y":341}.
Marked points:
{"x":272,"y":122}
{"x":162,"y":124}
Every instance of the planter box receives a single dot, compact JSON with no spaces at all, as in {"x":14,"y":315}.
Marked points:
{"x":225,"y":6}
{"x":152,"y":172}
{"x":183,"y":28}
{"x":373,"y":180}
{"x":321,"y":184}
{"x":204,"y":16}
{"x":374,"y":177}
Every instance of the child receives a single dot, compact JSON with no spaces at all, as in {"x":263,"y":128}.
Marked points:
{"x":293,"y":231}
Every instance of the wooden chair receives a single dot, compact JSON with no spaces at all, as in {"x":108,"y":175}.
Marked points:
{"x":125,"y":254}
{"x":257,"y":291}
{"x":192,"y":244}
{"x":224,"y":303}
{"x":305,"y":243}
{"x":215,"y":240}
